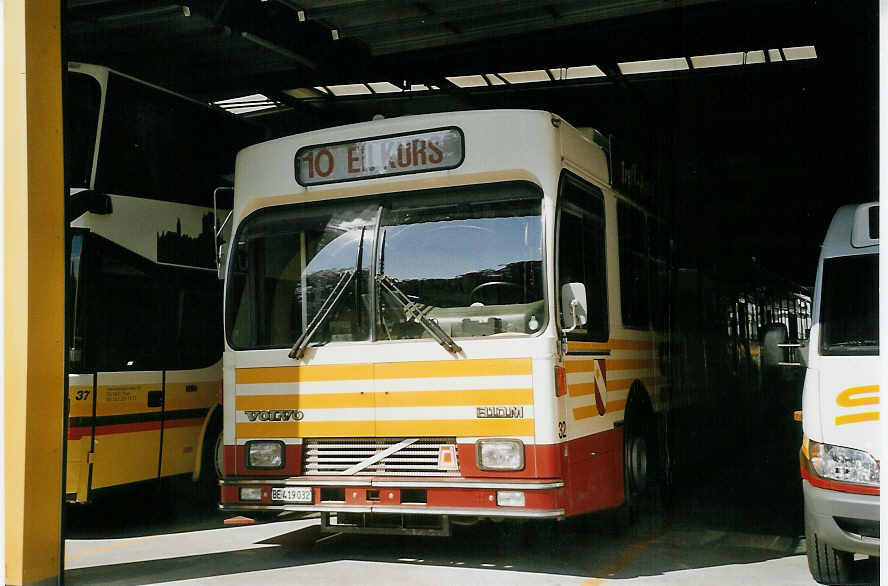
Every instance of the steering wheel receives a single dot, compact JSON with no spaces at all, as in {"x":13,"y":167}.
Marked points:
{"x":489,"y":284}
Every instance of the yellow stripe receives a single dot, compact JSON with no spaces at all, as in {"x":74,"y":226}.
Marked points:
{"x":585,"y":412}
{"x":857,"y":418}
{"x":572,"y":366}
{"x":592,"y":410}
{"x":390,"y":370}
{"x":296,"y":374}
{"x":447,"y":368}
{"x":581,"y":390}
{"x":847,"y":397}
{"x":454,"y":427}
{"x":324,"y":401}
{"x":401,"y":399}
{"x":611,"y":345}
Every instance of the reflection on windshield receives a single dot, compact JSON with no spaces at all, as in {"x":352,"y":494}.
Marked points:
{"x":469,"y":259}
{"x":478,"y":267}
{"x":849,"y":305}
{"x":284,"y":265}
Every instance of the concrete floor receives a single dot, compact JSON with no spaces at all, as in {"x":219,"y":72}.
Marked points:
{"x":722,"y":524}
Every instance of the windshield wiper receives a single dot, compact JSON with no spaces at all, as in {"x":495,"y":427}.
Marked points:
{"x":417,"y":310}
{"x":322,"y":315}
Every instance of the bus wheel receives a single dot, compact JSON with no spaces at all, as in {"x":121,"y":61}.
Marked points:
{"x":211,"y":466}
{"x":827,"y":565}
{"x":640,"y":469}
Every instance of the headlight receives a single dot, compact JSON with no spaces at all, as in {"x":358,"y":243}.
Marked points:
{"x":843,"y":464}
{"x":265,"y":454}
{"x":500,"y":454}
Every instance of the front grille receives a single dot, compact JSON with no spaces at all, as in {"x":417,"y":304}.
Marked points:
{"x":330,"y":456}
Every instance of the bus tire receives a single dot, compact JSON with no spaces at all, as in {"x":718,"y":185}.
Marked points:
{"x":640,"y":455}
{"x":827,"y":564}
{"x":211,"y":465}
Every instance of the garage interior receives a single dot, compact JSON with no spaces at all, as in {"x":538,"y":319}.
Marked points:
{"x":753,"y":121}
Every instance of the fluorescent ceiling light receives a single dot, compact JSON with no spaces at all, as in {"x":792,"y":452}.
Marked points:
{"x":244,"y":104}
{"x":467,"y":81}
{"x":418,"y":87}
{"x":774,"y":54}
{"x":306,"y":92}
{"x":583,"y":72}
{"x":349,"y":89}
{"x":493,"y":79}
{"x":720,"y":60}
{"x":384,"y":87}
{"x":653,"y":66}
{"x":525,"y":76}
{"x":796,"y":53}
{"x":322,"y":89}
{"x":755,"y":57}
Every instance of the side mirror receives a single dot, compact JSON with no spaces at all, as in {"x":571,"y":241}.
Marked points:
{"x":221,"y":261}
{"x":773,"y":335}
{"x":573,"y":306}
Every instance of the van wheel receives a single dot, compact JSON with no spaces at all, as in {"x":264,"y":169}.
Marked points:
{"x":827,"y":565}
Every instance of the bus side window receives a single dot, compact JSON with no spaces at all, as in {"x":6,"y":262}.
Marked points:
{"x":633,"y":252}
{"x":581,"y":252}
{"x":128,"y":324}
{"x":198,"y":321}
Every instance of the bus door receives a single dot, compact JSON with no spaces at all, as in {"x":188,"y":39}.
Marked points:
{"x":193,"y":336}
{"x":126,"y":348}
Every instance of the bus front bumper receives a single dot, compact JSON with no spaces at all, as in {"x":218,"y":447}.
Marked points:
{"x":846,"y":521}
{"x":458,"y":497}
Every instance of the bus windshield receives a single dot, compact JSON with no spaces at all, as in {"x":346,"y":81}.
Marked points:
{"x":849,"y":305}
{"x":469,"y":259}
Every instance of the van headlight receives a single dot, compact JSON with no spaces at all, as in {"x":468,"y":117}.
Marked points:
{"x":500,"y":454}
{"x":265,"y":454}
{"x":843,"y":464}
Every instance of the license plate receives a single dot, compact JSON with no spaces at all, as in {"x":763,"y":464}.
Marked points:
{"x":292,"y":494}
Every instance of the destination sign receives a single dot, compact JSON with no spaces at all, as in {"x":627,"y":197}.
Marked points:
{"x":429,"y":150}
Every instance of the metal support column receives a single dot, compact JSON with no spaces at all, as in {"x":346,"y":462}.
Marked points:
{"x":33,"y":289}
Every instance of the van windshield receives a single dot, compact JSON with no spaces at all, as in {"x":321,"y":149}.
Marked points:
{"x":469,"y":259}
{"x":849,"y":306}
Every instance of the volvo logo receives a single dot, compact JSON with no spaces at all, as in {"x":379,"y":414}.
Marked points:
{"x":275,"y":415}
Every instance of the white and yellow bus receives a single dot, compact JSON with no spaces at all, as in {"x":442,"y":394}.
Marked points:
{"x":144,"y":301}
{"x":840,"y":454}
{"x":439,"y":318}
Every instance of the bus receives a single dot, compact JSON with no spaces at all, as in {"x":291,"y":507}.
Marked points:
{"x":143,"y":299}
{"x":435,"y":319}
{"x":840,"y":453}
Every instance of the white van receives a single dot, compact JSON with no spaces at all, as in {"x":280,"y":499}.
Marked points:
{"x":840,"y":404}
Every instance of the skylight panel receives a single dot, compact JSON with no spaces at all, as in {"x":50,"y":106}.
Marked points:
{"x":384,"y":87}
{"x":349,"y":89}
{"x":525,"y":76}
{"x":493,"y":79}
{"x":244,"y":104}
{"x":719,"y":60}
{"x":753,"y":57}
{"x":797,"y":53}
{"x":583,"y":72}
{"x":467,"y":81}
{"x":774,"y":54}
{"x":653,"y":66}
{"x":306,"y":92}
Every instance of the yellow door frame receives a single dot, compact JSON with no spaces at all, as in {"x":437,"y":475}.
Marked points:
{"x":34,"y":289}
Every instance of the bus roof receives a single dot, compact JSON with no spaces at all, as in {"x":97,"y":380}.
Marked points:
{"x":492,"y":145}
